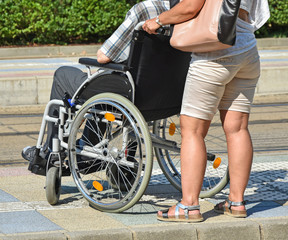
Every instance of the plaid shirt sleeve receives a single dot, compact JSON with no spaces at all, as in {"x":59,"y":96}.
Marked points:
{"x":117,"y":46}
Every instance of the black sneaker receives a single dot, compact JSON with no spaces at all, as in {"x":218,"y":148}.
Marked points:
{"x":28,"y":153}
{"x":37,"y":164}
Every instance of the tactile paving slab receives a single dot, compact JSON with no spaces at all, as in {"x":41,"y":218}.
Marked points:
{"x":268,"y":182}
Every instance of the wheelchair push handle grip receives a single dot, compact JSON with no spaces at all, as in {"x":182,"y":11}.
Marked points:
{"x":160,"y":30}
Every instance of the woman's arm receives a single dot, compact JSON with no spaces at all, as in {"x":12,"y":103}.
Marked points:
{"x":182,"y":12}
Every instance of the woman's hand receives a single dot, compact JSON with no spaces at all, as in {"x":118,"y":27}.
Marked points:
{"x":150,"y":26}
{"x":181,"y":12}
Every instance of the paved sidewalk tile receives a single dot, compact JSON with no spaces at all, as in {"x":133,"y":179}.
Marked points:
{"x":267,"y":210}
{"x":5,"y":197}
{"x":25,"y":221}
{"x":21,"y":221}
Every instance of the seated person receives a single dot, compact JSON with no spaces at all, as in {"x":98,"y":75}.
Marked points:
{"x":116,"y":48}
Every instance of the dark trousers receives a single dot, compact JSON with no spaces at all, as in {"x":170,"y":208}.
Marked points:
{"x":66,"y":80}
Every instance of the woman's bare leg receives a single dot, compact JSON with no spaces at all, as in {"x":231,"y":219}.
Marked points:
{"x":240,"y":152}
{"x":193,"y":157}
{"x":193,"y":160}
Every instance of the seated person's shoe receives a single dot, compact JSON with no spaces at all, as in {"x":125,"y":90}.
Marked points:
{"x":37,"y":160}
{"x":28,"y":153}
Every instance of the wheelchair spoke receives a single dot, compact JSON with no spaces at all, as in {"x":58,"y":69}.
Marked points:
{"x":215,"y":178}
{"x":110,"y":153}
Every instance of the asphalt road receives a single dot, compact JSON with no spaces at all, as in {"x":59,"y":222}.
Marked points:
{"x":268,"y":127}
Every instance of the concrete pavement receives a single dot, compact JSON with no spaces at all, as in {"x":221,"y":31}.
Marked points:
{"x":25,"y":213}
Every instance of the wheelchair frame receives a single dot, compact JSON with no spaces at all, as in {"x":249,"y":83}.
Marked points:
{"x":71,"y":116}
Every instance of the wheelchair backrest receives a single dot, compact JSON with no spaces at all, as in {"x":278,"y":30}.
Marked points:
{"x":159,"y":72}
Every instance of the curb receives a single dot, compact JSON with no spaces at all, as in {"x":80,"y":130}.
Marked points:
{"x":262,"y":229}
{"x":22,"y":109}
{"x":272,"y":43}
{"x":91,"y":49}
{"x":48,"y":51}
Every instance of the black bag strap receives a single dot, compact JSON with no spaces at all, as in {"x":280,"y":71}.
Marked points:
{"x":173,"y":3}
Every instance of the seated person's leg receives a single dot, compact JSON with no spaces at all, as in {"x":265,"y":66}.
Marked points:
{"x":116,"y":48}
{"x":66,"y":79}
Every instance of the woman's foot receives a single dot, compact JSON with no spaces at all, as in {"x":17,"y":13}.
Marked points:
{"x":181,"y":213}
{"x":102,"y":58}
{"x":233,"y":209}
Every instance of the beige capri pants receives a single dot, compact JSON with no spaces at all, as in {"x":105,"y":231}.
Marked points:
{"x":227,"y":84}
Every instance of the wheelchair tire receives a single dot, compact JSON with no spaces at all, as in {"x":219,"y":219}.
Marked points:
{"x":53,"y":185}
{"x":215,"y":179}
{"x":111,"y":164}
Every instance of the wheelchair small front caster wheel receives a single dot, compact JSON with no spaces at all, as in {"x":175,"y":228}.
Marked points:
{"x":53,"y":185}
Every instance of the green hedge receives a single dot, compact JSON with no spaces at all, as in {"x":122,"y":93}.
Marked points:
{"x":277,"y":25}
{"x":26,"y":22}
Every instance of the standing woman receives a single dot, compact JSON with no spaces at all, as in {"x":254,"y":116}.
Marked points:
{"x":223,"y":80}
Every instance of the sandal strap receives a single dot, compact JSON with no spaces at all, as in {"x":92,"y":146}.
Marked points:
{"x":235,"y":204}
{"x":165,"y":213}
{"x":186,"y":209}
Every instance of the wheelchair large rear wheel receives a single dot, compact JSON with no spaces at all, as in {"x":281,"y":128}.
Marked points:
{"x":110,"y":152}
{"x":216,"y":174}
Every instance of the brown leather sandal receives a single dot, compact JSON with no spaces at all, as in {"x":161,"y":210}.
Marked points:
{"x":180,"y":217}
{"x":221,"y":208}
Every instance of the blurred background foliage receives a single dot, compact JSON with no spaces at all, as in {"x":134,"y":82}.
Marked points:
{"x":277,"y":25}
{"x":26,"y":22}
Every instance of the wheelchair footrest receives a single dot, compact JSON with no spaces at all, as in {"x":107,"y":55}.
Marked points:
{"x":38,"y":165}
{"x":37,"y":169}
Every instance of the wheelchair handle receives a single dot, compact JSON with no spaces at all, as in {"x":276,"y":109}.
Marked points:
{"x":139,"y":26}
{"x":160,"y":30}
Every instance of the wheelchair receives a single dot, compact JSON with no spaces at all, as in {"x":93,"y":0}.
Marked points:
{"x":114,"y":121}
